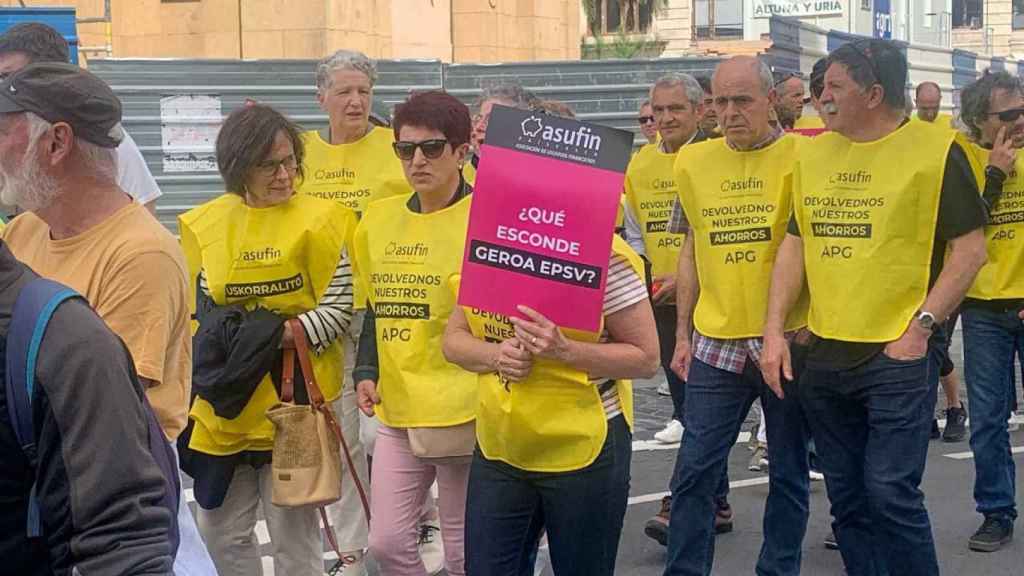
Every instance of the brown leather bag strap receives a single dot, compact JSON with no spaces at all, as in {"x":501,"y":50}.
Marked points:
{"x":316,"y":397}
{"x":288,"y":375}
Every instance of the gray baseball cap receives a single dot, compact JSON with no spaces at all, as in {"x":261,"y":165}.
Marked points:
{"x":59,"y":92}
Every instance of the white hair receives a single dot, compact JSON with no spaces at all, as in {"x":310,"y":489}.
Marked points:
{"x":101,"y":162}
{"x":694,"y":93}
{"x":344,"y":60}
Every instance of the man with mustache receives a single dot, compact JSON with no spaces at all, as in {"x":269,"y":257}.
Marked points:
{"x":876,"y":202}
{"x":992,"y":109}
{"x":734,"y":202}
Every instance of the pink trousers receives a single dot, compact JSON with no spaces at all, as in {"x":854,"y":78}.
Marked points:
{"x":400,"y":484}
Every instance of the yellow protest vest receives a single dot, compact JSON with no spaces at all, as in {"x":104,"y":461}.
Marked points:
{"x":353,"y":175}
{"x":806,"y":122}
{"x":407,"y":260}
{"x":867,"y":214}
{"x":281,"y":258}
{"x":651,"y":192}
{"x":554,"y":420}
{"x":738,"y":204}
{"x":1002,"y":276}
{"x":469,"y":173}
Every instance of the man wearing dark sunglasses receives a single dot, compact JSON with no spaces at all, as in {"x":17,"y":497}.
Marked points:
{"x":992,"y":109}
{"x":648,"y":126}
{"x":877,"y":201}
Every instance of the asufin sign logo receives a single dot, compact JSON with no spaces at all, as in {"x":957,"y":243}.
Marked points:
{"x":582,"y":140}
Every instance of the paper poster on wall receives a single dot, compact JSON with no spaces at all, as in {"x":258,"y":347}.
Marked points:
{"x":543,"y":215}
{"x":189,"y":124}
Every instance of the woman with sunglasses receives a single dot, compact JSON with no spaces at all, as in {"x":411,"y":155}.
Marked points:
{"x":409,"y":251}
{"x":262,"y":246}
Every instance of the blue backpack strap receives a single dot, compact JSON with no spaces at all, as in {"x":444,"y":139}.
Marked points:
{"x":36,"y":303}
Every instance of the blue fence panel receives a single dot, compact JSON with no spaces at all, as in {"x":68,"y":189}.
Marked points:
{"x":60,"y":19}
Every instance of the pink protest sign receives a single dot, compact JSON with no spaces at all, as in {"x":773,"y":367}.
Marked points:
{"x":540,"y":228}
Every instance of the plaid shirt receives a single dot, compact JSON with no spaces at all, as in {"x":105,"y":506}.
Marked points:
{"x":729,"y":355}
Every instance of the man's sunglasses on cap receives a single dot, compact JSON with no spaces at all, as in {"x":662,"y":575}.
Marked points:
{"x":645,"y":120}
{"x":432,"y":149}
{"x":1010,"y":115}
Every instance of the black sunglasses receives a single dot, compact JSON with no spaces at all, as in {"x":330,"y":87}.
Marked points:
{"x":1010,"y":115}
{"x":645,"y":119}
{"x":432,"y":149}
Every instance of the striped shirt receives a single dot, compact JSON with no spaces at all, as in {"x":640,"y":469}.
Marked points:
{"x":623,"y":289}
{"x":333,"y":313}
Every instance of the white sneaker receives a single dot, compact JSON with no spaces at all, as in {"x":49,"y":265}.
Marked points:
{"x":672,"y":434}
{"x":431,"y":546}
{"x":663,"y":389}
{"x":352,"y":564}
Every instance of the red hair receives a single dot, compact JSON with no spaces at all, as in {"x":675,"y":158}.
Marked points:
{"x":435,"y":110}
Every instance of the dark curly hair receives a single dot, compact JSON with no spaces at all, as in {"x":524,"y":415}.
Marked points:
{"x":974,"y":98}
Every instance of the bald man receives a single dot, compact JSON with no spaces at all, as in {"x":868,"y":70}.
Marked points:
{"x":720,"y":314}
{"x":928,"y":100}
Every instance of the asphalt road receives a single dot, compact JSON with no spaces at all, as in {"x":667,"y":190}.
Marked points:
{"x":948,"y":484}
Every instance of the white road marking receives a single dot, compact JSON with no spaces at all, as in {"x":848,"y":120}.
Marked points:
{"x":644,"y":498}
{"x":647,"y":445}
{"x":970,"y":455}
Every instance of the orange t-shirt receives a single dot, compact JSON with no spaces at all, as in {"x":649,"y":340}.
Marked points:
{"x":133,"y":273}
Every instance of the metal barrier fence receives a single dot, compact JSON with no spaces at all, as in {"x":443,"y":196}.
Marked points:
{"x":173,"y":108}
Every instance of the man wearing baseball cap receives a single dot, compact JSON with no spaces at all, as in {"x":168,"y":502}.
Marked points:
{"x":59,"y":128}
{"x":35,"y":43}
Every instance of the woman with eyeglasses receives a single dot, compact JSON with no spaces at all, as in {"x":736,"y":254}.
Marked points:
{"x":409,"y":252}
{"x":261,"y":246}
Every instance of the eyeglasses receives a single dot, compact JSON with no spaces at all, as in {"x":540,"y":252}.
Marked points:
{"x":784,"y":76}
{"x":1010,"y":115}
{"x":270,"y":167}
{"x":432,"y":149}
{"x":645,"y":120}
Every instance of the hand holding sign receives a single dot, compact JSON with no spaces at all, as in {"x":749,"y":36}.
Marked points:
{"x":514,"y":361}
{"x":543,"y":215}
{"x":541,"y":336}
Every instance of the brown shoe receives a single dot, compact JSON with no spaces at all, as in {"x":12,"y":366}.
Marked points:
{"x":657,"y":526}
{"x":723,"y":518}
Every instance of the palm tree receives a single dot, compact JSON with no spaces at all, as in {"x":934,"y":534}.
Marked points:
{"x":629,"y":14}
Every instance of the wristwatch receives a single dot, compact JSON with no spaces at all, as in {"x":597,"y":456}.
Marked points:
{"x":925,"y":320}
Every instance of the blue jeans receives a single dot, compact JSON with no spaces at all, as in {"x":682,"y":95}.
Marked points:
{"x":582,"y":512}
{"x":871,"y":425}
{"x":665,"y":320}
{"x":990,"y":342}
{"x":717,"y":403}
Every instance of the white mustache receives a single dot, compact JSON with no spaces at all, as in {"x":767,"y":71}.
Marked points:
{"x":830,"y":108}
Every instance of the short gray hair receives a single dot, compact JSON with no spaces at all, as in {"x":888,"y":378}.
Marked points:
{"x":102,"y":162}
{"x":694,"y":93}
{"x":345,"y":60}
{"x":514,"y":94}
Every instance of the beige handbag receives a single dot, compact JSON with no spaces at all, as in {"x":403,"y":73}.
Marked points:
{"x":307,"y":455}
{"x":448,"y":444}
